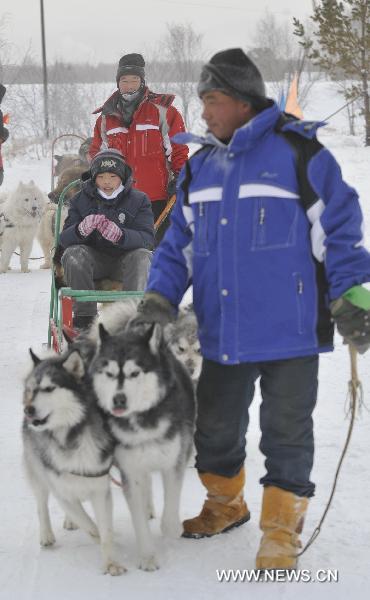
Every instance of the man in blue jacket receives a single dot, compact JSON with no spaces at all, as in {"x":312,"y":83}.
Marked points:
{"x":108,"y":233}
{"x":270,"y":237}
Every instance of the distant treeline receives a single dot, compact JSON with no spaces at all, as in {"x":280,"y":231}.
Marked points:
{"x":61,"y":72}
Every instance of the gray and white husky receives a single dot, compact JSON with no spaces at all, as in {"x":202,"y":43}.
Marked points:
{"x":182,"y":336}
{"x":68,"y":450}
{"x":149,"y":398}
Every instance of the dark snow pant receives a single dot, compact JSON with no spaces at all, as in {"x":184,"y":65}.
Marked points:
{"x":289,"y":392}
{"x":84,"y":265}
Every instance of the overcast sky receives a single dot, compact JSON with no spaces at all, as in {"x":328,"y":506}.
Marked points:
{"x":98,"y":31}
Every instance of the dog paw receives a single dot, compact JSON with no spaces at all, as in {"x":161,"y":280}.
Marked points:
{"x":47,"y":539}
{"x":171,"y":529}
{"x":148,"y":563}
{"x":70,"y":525}
{"x":113,"y":568}
{"x":45,"y":266}
{"x":25,"y":270}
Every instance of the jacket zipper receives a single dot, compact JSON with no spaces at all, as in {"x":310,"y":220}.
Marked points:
{"x":300,"y":302}
{"x":202,"y":230}
{"x":262,"y":216}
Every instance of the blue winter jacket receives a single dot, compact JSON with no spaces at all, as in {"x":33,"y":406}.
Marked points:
{"x":263,"y":266}
{"x":130,"y":210}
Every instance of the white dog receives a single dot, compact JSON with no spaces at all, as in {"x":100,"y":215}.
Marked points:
{"x":46,"y":231}
{"x":20,"y":216}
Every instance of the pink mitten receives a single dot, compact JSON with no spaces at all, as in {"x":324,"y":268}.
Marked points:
{"x":110,"y":231}
{"x":89,"y":223}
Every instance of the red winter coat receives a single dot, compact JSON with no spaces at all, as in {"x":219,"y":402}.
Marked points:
{"x":146,"y":143}
{"x":3,"y":136}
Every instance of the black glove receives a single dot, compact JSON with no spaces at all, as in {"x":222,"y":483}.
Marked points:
{"x":154,"y":308}
{"x":353,"y":323}
{"x":171,"y":186}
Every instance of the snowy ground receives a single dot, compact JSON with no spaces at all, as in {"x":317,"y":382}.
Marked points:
{"x":70,"y":571}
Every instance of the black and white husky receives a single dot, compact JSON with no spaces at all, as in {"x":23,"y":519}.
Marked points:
{"x":149,"y":398}
{"x":182,"y":334}
{"x":68,"y":450}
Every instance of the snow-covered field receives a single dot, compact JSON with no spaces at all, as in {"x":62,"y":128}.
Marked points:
{"x":70,"y":571}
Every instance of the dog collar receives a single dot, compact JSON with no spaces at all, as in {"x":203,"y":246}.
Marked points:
{"x":100,"y":474}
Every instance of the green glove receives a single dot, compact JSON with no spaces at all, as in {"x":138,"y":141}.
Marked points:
{"x":351,"y":312}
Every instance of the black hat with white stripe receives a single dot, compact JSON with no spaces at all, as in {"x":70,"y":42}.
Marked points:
{"x":109,"y":161}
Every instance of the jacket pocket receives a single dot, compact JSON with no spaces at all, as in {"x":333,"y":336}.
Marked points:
{"x":274,"y":223}
{"x":149,"y":139}
{"x":300,"y":302}
{"x":200,"y":244}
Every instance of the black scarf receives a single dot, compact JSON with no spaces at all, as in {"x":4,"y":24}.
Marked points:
{"x":128,"y":107}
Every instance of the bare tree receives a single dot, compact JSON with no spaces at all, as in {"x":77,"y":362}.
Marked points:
{"x":183,"y":50}
{"x":280,"y":57}
{"x":4,"y":44}
{"x":10,"y":55}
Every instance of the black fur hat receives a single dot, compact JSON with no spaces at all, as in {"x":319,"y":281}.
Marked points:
{"x":109,"y":161}
{"x":232,"y":72}
{"x":131,"y":64}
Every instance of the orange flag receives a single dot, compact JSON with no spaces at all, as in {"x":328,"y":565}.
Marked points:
{"x":6,"y":119}
{"x":292,"y":105}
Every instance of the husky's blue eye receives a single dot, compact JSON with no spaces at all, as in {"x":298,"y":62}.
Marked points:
{"x":108,"y":374}
{"x":48,"y":389}
{"x":134,"y":374}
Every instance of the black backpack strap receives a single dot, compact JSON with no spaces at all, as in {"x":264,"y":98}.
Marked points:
{"x":185,"y":184}
{"x":161,"y":99}
{"x":304,"y":149}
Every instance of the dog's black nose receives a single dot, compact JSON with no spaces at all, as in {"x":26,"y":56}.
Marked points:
{"x":119,"y":401}
{"x":29,"y":411}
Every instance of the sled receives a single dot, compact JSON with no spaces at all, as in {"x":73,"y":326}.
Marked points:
{"x":61,"y":300}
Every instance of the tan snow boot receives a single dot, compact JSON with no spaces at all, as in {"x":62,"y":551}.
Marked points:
{"x":281,"y":521}
{"x":224,"y":508}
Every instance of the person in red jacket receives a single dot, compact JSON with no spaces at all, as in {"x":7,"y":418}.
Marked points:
{"x":4,"y":133}
{"x":140,"y":124}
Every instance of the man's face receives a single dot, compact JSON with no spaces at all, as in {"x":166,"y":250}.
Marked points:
{"x":129,"y":83}
{"x":107,"y":182}
{"x":223,"y":114}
